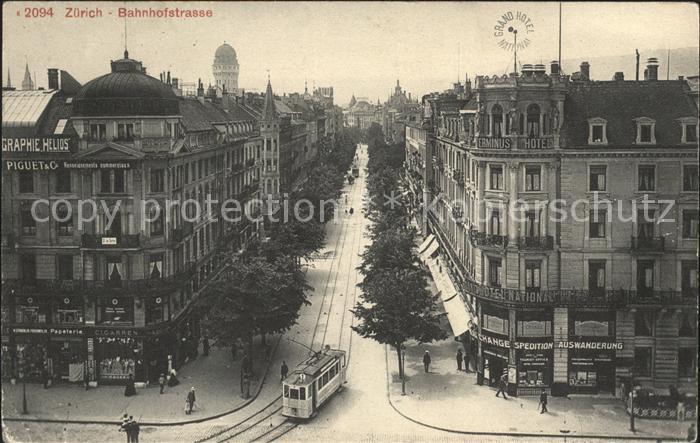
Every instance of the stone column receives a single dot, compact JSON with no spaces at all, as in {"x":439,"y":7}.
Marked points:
{"x":513,"y":169}
{"x":561,"y":356}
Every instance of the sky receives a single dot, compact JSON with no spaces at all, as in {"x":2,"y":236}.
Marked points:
{"x":359,"y":48}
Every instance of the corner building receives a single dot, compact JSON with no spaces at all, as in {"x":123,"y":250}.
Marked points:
{"x":117,"y":299}
{"x":568,"y":306}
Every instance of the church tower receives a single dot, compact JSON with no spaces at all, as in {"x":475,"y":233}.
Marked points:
{"x":270,"y":133}
{"x":225,"y":69}
{"x":27,"y":83}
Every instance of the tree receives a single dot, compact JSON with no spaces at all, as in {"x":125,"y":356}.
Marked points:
{"x":254,"y":296}
{"x":396,"y":306}
{"x":295,"y":238}
{"x":391,"y":249}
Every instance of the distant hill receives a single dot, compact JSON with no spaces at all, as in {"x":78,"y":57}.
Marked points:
{"x":684,"y":61}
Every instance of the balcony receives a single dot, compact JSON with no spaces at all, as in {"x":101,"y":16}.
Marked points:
{"x":182,"y":232}
{"x":648,"y":244}
{"x":107,"y":241}
{"x":458,"y":214}
{"x":484,"y":240}
{"x":153,"y":144}
{"x":539,"y":243}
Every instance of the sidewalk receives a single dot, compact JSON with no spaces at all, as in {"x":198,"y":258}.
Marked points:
{"x":214,"y":377}
{"x":451,"y":400}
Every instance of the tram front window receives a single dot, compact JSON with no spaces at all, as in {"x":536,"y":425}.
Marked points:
{"x":302,"y":393}
{"x":294,"y":394}
{"x":286,"y":391}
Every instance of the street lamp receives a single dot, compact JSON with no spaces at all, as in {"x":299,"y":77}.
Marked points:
{"x":633,"y":394}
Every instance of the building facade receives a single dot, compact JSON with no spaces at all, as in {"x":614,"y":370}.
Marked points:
{"x":576,"y":305}
{"x":111,"y":290}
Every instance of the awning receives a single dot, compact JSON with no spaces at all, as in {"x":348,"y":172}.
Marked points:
{"x":430,"y":250}
{"x":457,"y":312}
{"x":425,"y":244}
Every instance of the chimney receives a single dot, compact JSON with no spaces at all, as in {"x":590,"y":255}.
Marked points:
{"x":585,"y":71}
{"x":168,"y":82}
{"x":554,"y":67}
{"x":53,"y":78}
{"x":200,"y":88}
{"x":176,"y":83}
{"x":637,"y":76}
{"x":652,"y":69}
{"x":619,"y":76}
{"x":680,"y":77}
{"x":539,"y":69}
{"x":527,"y":70}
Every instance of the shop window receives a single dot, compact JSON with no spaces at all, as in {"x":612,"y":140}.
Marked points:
{"x":28,"y":269}
{"x":690,"y":223}
{"x":645,"y":223}
{"x":596,"y":223}
{"x":26,"y":182}
{"x":117,"y":357}
{"x":157,"y":180}
{"x":64,"y":220}
{"x":687,"y":362}
{"x":69,"y":310}
{"x":115,"y":310}
{"x":534,"y":324}
{"x":63,"y":181}
{"x":689,"y":277}
{"x":597,"y":177}
{"x":690,"y":178}
{"x":645,"y":277}
{"x":125,"y":131}
{"x":27,"y":221}
{"x":687,"y":324}
{"x":644,"y":323}
{"x":532,"y":275}
{"x":65,"y":267}
{"x":647,"y":177}
{"x":496,"y":177}
{"x":156,"y":310}
{"x":31,"y":359}
{"x":532,"y":178}
{"x":98,"y":132}
{"x":30,"y":309}
{"x":495,"y":272}
{"x":596,"y":277}
{"x":642,"y":362}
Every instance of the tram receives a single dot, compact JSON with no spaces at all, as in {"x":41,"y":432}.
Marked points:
{"x":355,"y":170}
{"x":312,"y":383}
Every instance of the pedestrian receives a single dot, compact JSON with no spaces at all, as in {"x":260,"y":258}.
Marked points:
{"x":125,"y":427}
{"x":284,"y":370}
{"x":426,"y":361}
{"x":692,"y":433}
{"x":189,"y":402}
{"x":135,"y":429}
{"x":502,"y":384}
{"x":674,"y":394}
{"x":460,"y":357}
{"x":205,"y":345}
{"x":543,"y":401}
{"x":86,"y":376}
{"x":161,"y":382}
{"x":130,"y":428}
{"x":351,"y":211}
{"x":466,"y":361}
{"x":172,"y":378}
{"x":46,"y":378}
{"x":130,"y":388}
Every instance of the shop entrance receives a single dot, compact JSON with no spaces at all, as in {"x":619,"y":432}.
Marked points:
{"x":495,"y":365}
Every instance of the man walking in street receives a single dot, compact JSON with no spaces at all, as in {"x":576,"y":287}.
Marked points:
{"x":426,"y":361}
{"x":459,"y":359}
{"x":502,"y":384}
{"x":284,"y":370}
{"x":161,"y":382}
{"x":135,"y":429}
{"x":126,"y":427}
{"x":466,"y":361}
{"x":543,"y":401}
{"x":190,"y":401}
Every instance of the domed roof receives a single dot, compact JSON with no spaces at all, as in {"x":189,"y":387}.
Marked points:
{"x":127,"y":90}
{"x":225,"y":54}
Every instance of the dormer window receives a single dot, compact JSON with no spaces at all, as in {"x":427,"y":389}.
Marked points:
{"x":597,"y":131}
{"x":645,"y":131}
{"x":689,"y":127}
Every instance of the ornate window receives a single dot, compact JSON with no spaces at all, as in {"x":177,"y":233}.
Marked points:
{"x":533,"y":120}
{"x":689,"y":127}
{"x":597,"y":131}
{"x":496,"y":121}
{"x":645,"y":131}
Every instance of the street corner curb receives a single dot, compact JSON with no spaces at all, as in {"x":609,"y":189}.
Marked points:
{"x":268,"y":363}
{"x":509,"y":434}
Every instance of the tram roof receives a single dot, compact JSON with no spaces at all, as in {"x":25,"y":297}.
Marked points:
{"x":313,"y":366}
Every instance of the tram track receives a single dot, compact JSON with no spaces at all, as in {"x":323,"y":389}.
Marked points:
{"x":252,"y":428}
